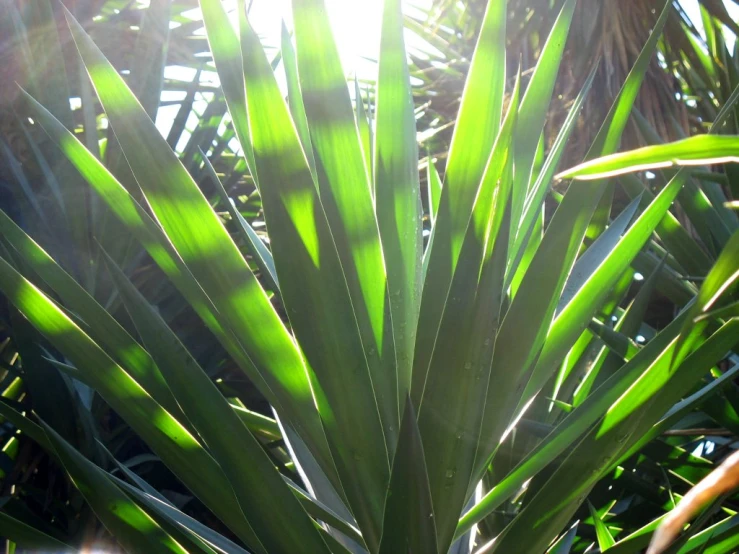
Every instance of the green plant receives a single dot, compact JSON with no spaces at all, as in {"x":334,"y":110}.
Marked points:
{"x":399,"y":369}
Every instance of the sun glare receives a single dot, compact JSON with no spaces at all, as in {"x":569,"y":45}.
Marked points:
{"x":356,"y":25}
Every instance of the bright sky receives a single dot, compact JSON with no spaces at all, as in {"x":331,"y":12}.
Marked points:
{"x":356,"y":25}
{"x":693,"y":10}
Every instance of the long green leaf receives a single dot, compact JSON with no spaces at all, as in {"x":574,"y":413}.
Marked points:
{"x":719,"y":283}
{"x":434,"y":189}
{"x":224,"y":44}
{"x":573,"y":426}
{"x":697,"y":150}
{"x":624,"y":423}
{"x":540,"y":187}
{"x":573,"y":318}
{"x":175,"y":516}
{"x":478,"y":125}
{"x":258,"y":250}
{"x":316,"y":296}
{"x":151,"y":237}
{"x":27,"y":536}
{"x":295,"y":97}
{"x":128,"y":523}
{"x":201,"y":240}
{"x":527,"y":321}
{"x":449,"y":413}
{"x":98,"y":323}
{"x":150,"y":55}
{"x":605,"y":538}
{"x":346,"y":198}
{"x":409,"y":524}
{"x":397,"y":190}
{"x":534,"y":107}
{"x":279,"y":521}
{"x":164,"y":434}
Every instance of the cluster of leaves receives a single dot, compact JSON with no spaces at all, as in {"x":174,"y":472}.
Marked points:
{"x":336,"y":381}
{"x":604,"y":35}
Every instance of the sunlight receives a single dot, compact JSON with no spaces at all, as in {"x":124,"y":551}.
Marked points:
{"x":692,"y":9}
{"x":356,"y":25}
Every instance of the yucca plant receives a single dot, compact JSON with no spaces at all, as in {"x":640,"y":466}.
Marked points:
{"x":400,"y":370}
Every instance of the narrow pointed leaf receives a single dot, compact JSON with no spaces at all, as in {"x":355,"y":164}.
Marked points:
{"x":478,"y":126}
{"x":258,"y":250}
{"x":697,"y":150}
{"x":164,"y":434}
{"x":278,"y":520}
{"x":625,"y":422}
{"x":603,"y":534}
{"x":539,"y":189}
{"x":572,"y":426}
{"x":27,"y":536}
{"x":127,"y":522}
{"x":347,"y":202}
{"x":177,"y":517}
{"x":397,"y":190}
{"x":199,"y":236}
{"x":295,"y":97}
{"x":720,"y":282}
{"x":224,"y":44}
{"x":449,"y":414}
{"x":156,"y":243}
{"x":316,"y":295}
{"x":535,"y":104}
{"x":98,"y":322}
{"x":527,"y":321}
{"x":365,"y":131}
{"x":409,"y":524}
{"x":433,"y":182}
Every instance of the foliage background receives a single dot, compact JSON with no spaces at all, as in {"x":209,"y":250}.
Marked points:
{"x":685,"y":88}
